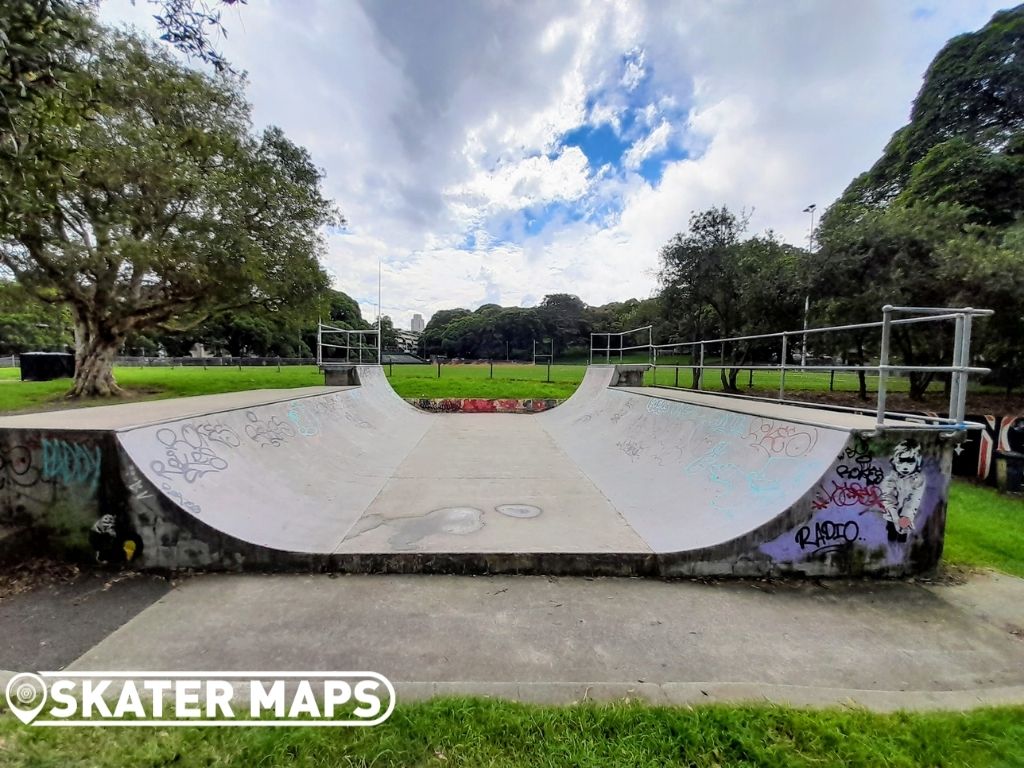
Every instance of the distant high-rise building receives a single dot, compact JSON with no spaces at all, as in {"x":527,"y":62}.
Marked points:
{"x":417,"y":323}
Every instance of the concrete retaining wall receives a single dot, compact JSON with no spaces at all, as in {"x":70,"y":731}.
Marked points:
{"x":482,"y":405}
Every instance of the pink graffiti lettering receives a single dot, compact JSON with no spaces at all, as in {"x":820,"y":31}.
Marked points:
{"x":848,"y":495}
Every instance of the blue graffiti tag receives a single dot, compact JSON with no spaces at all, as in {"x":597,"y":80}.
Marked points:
{"x":72,"y":464}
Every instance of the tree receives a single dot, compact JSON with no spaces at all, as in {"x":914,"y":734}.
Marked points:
{"x":166,"y":210}
{"x":563,"y":317}
{"x":972,"y":91}
{"x":342,"y":310}
{"x":188,"y":25}
{"x":933,"y":221}
{"x":433,"y":332}
{"x":743,"y":286}
{"x":27,"y":324}
{"x":388,"y":337}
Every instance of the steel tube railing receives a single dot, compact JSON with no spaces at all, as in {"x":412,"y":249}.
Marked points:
{"x":959,"y":371}
{"x":348,"y":334}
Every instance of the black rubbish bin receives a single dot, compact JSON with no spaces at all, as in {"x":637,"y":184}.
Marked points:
{"x":1010,"y":471}
{"x":46,"y":366}
{"x":1015,"y":435}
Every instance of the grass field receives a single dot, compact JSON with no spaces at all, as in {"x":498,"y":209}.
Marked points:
{"x":463,"y":380}
{"x":985,"y":529}
{"x":466,"y":732}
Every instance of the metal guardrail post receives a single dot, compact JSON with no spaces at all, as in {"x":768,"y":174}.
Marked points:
{"x":965,"y":359}
{"x":591,"y":349}
{"x":782,"y":368}
{"x":700,"y":368}
{"x":883,"y":363}
{"x":956,"y":377}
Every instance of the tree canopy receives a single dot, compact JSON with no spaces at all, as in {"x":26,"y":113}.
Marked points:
{"x":164,"y":209}
{"x":938,"y":219}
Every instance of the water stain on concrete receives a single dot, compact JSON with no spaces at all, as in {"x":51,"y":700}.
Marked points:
{"x":519,"y":510}
{"x":409,"y":531}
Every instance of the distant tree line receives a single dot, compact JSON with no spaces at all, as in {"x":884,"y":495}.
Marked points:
{"x":498,"y":333}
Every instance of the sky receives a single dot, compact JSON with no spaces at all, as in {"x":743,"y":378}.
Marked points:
{"x":498,"y":151}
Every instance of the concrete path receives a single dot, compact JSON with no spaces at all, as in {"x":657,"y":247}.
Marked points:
{"x":883,"y":645}
{"x":54,"y":623}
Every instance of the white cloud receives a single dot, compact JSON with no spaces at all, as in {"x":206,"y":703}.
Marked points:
{"x":437,"y":123}
{"x":531,"y":181}
{"x":651,"y":144}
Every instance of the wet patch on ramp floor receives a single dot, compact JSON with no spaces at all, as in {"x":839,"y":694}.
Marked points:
{"x":410,"y":530}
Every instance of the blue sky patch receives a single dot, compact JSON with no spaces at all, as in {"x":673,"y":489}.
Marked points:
{"x":600,"y":144}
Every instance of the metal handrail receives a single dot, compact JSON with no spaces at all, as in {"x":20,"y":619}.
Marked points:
{"x":620,"y":349}
{"x":960,"y":368}
{"x":348,"y":333}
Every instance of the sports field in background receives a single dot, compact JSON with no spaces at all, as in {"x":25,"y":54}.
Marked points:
{"x":512,"y":380}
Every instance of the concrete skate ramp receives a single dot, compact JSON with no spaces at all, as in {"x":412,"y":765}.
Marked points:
{"x":618,"y":480}
{"x":688,"y":476}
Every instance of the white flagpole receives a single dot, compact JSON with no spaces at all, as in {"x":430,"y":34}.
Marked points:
{"x":380,"y":314}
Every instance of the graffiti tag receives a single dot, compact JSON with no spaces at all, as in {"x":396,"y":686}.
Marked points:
{"x":827,"y":536}
{"x":305,"y":421}
{"x":268,"y":432}
{"x":848,"y":494}
{"x":136,"y":485}
{"x":189,"y":454}
{"x":71,"y":463}
{"x":782,"y":439}
{"x":16,"y":467}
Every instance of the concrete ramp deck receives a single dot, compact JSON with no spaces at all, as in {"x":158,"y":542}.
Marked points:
{"x":617,"y":480}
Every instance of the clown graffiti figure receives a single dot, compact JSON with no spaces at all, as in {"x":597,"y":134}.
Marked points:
{"x":902,"y":490}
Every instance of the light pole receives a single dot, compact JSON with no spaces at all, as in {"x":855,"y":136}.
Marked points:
{"x":807,"y":299}
{"x":810,"y":233}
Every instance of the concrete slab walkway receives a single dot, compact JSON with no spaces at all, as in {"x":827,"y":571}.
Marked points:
{"x":883,"y":645}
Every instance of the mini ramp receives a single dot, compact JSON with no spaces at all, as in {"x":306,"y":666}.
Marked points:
{"x":617,"y":480}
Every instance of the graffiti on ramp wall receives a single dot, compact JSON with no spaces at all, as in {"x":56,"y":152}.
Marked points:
{"x":875,"y":503}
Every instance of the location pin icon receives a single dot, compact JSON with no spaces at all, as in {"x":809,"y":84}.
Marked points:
{"x":22,"y":691}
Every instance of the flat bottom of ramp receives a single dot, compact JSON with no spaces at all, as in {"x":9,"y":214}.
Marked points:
{"x":489,"y":483}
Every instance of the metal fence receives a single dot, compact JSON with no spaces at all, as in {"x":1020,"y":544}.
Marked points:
{"x":331,"y":341}
{"x":210,"y":362}
{"x":959,"y":369}
{"x":615,"y":343}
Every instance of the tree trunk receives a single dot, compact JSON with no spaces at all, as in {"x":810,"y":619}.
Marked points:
{"x":96,"y":346}
{"x":862,"y":376}
{"x":919,"y":382}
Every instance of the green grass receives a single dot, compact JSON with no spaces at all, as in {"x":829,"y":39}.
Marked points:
{"x":796,"y":381}
{"x":474,"y":380}
{"x":465,"y":380}
{"x":154,"y":383}
{"x":984,"y":529}
{"x":467,"y":732}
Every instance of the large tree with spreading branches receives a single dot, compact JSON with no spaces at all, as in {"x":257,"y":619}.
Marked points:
{"x":142,"y":199}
